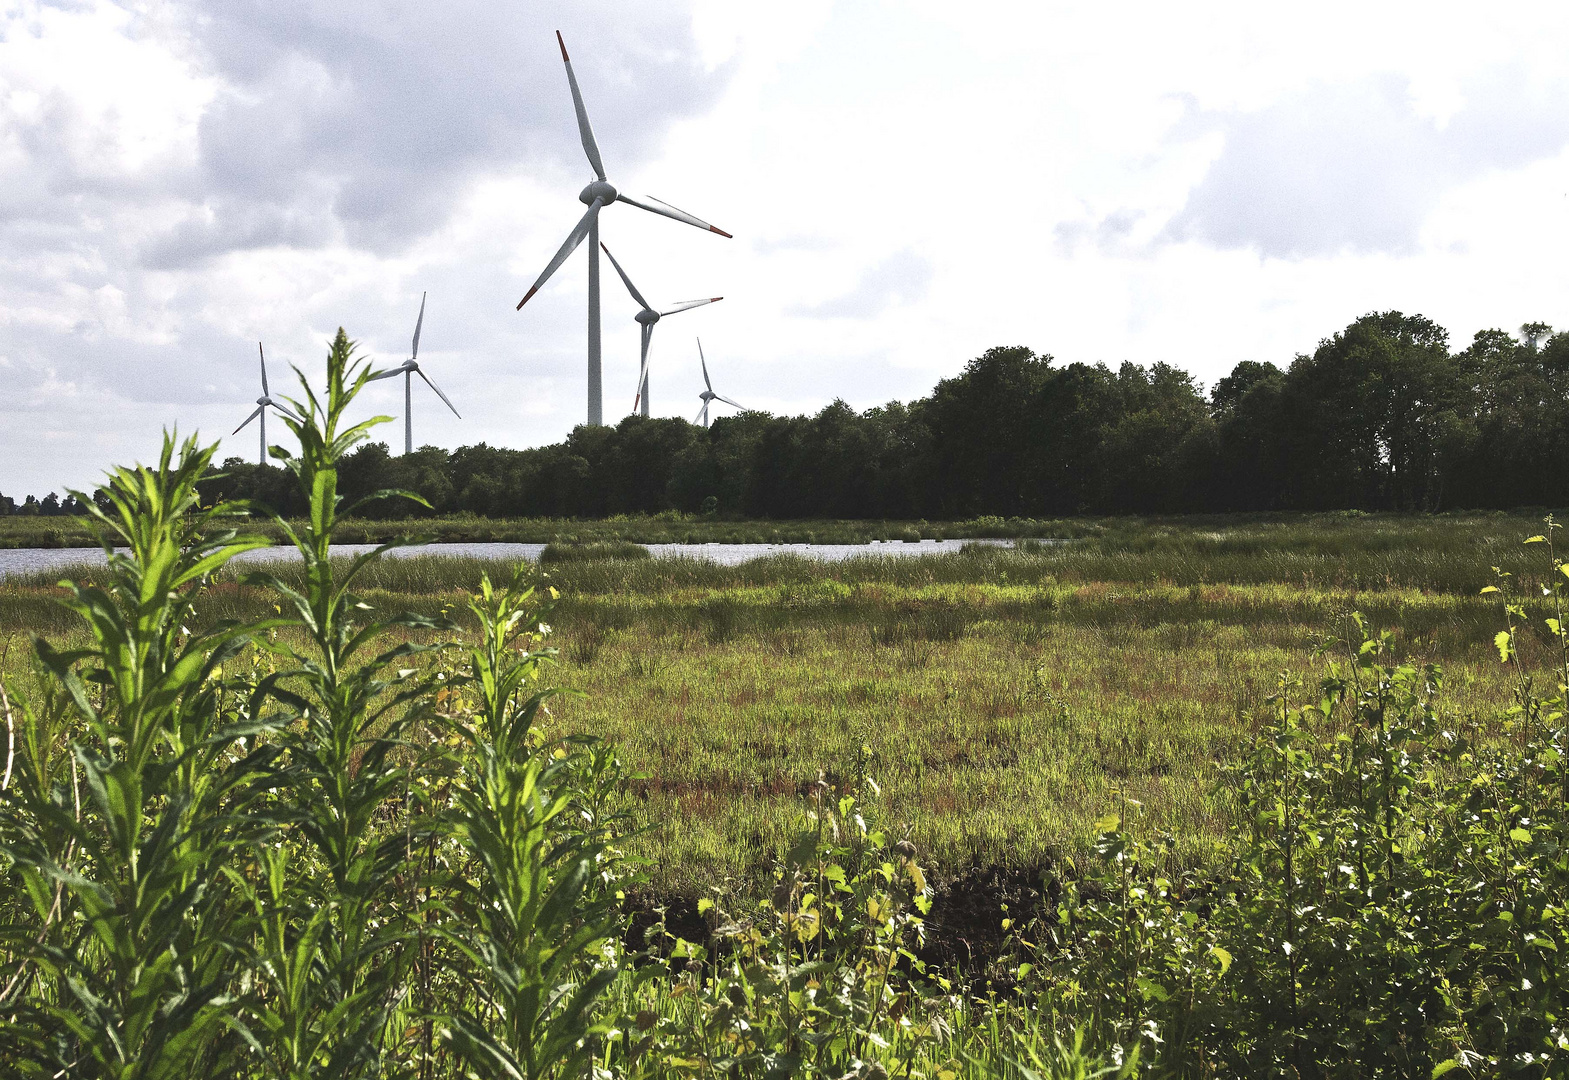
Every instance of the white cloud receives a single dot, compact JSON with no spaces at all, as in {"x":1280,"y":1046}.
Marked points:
{"x":1354,"y":166}
{"x":901,"y":278}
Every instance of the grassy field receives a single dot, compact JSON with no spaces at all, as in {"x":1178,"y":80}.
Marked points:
{"x":1001,"y":698}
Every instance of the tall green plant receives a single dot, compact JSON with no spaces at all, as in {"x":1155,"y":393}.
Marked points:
{"x":534,"y":917}
{"x":126,"y":798}
{"x":332,"y":947}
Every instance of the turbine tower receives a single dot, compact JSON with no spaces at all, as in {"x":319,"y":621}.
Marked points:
{"x":646,"y":319}
{"x":708,"y":395}
{"x":408,"y":369}
{"x":597,"y":195}
{"x":261,"y":406}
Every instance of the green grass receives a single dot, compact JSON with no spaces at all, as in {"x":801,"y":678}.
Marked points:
{"x":594,"y":551}
{"x":999,"y":697}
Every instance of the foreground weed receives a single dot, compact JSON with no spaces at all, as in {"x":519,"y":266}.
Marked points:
{"x":126,"y":798}
{"x":536,"y":920}
{"x":822,"y":979}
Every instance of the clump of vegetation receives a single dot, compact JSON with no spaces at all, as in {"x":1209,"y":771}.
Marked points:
{"x":1391,"y":905}
{"x":592,"y":551}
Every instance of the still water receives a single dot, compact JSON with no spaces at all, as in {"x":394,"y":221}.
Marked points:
{"x":33,"y":560}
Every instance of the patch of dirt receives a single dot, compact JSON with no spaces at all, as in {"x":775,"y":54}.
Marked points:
{"x":964,"y":933}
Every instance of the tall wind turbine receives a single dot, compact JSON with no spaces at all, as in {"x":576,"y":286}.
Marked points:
{"x":408,"y":369}
{"x":597,"y":195}
{"x":646,"y":319}
{"x":708,"y":395}
{"x":261,"y":406}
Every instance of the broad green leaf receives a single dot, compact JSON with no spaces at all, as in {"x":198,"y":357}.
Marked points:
{"x":1222,"y":957}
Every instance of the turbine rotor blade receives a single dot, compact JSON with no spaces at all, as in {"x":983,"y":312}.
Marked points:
{"x":642,"y":374}
{"x":704,"y":361}
{"x":439,"y":394}
{"x":669,"y":211}
{"x":727,"y":401}
{"x":262,"y":353}
{"x":631,"y":288}
{"x":248,"y":419}
{"x":574,"y":238}
{"x":688,"y":305}
{"x":590,"y":147}
{"x":390,"y":374}
{"x":418,"y":323}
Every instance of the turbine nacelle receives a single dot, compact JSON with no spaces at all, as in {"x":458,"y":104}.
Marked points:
{"x":647,"y":317}
{"x":708,"y":397}
{"x":408,"y":369}
{"x":603,"y":190}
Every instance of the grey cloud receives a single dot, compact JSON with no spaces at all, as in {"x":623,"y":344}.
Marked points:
{"x":394,"y":108}
{"x":364,"y":120}
{"x":903,"y":277}
{"x":1354,"y":167}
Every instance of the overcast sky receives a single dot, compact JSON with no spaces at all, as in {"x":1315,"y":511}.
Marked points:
{"x":908,"y":184}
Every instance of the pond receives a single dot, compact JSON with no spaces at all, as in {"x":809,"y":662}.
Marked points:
{"x":34,"y":560}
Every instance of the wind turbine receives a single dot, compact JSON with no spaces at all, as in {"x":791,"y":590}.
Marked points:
{"x":597,"y":195}
{"x":261,"y":406}
{"x":709,"y":395}
{"x":646,"y":319}
{"x":408,"y":369}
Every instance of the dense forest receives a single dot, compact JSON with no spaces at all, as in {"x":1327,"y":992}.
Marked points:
{"x":1383,"y":415}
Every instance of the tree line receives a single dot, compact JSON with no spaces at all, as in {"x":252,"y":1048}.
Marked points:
{"x":1382,"y":415}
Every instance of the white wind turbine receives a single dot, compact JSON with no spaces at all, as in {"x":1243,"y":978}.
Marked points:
{"x":597,"y":195}
{"x":408,"y":369}
{"x":708,"y":395}
{"x":261,"y":406}
{"x":646,"y":320}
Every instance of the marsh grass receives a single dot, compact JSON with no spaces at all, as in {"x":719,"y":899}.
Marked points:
{"x":594,"y":551}
{"x":1002,"y":693}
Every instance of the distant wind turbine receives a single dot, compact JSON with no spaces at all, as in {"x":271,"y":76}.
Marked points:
{"x":261,"y":406}
{"x":646,"y":319}
{"x":408,"y":369}
{"x":598,"y":194}
{"x":708,"y":395}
